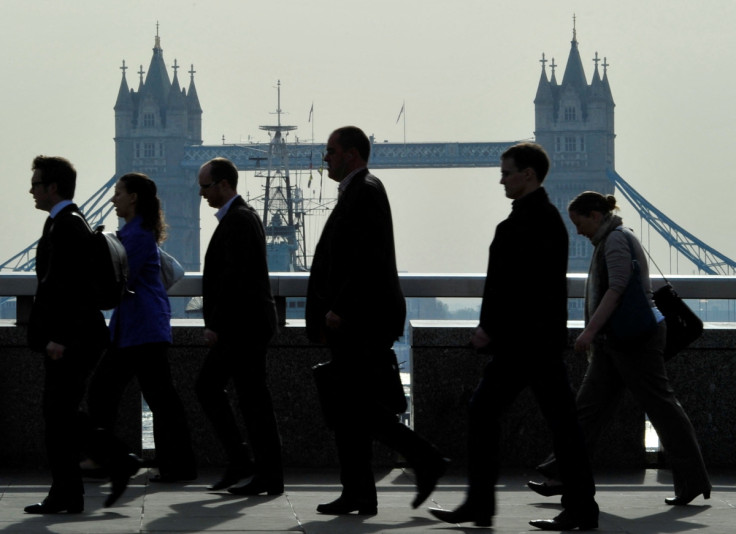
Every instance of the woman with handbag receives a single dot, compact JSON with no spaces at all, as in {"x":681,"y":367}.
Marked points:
{"x":623,"y":353}
{"x":141,"y":334}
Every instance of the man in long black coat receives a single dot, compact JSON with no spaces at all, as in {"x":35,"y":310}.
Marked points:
{"x":239,"y":319}
{"x":355,"y":306}
{"x":523,"y":325}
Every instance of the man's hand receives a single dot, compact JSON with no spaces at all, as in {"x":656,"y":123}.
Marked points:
{"x":480,"y":339}
{"x":584,"y":340}
{"x":332,"y":320}
{"x":55,"y":350}
{"x":210,"y":337}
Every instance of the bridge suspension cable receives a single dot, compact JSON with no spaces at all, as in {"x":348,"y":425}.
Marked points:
{"x":705,"y":258}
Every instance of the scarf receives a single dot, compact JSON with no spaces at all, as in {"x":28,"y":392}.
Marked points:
{"x":597,"y":283}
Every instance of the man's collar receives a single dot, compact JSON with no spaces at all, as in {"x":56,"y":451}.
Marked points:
{"x":223,"y":210}
{"x":58,"y":207}
{"x":345,"y":182}
{"x":529,"y":197}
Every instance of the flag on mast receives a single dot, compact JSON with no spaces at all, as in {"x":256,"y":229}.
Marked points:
{"x":311,"y":110}
{"x":400,"y":112}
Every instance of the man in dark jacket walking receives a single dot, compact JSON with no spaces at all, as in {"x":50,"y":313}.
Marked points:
{"x":523,"y":325}
{"x":239,"y":319}
{"x":355,"y":306}
{"x":65,"y":326}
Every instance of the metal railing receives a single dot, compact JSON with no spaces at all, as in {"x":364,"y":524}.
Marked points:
{"x":419,"y":285}
{"x":460,"y":285}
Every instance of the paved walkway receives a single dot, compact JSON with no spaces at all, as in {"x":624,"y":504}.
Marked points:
{"x":630,"y":502}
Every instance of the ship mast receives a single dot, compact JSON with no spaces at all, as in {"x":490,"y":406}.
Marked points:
{"x":278,"y":203}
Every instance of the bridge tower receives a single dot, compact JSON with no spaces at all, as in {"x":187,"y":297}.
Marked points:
{"x":574,"y":123}
{"x":153,"y":125}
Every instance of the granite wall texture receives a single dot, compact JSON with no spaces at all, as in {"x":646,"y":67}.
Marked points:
{"x":445,"y":373}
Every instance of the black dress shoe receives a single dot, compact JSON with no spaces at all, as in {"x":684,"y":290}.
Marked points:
{"x":427,"y":478}
{"x":544,"y":489}
{"x":258,"y":486}
{"x":566,"y":521}
{"x":120,"y":473}
{"x":464,"y":514}
{"x":51,"y":505}
{"x":233,"y":475}
{"x":344,"y":506}
{"x":686,"y":499}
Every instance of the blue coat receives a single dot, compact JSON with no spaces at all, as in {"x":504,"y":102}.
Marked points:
{"x":145,"y":315}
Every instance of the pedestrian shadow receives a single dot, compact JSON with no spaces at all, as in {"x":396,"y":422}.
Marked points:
{"x":666,"y":521}
{"x":671,"y":520}
{"x":203,"y":514}
{"x":363,"y":524}
{"x":48,"y":523}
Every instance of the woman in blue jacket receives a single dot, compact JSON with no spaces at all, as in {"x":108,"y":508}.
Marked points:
{"x":141,"y":334}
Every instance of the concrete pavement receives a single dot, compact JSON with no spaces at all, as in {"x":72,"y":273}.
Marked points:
{"x":631,"y":502}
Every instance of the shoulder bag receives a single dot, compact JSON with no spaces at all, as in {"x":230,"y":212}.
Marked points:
{"x":683,"y":326}
{"x":633,"y":319}
{"x":171,"y":269}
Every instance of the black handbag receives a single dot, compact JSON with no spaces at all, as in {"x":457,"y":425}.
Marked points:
{"x":329,"y":391}
{"x":633,"y":319}
{"x":339,"y":389}
{"x":683,"y":326}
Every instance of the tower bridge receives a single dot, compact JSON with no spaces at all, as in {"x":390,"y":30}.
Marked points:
{"x":305,"y":156}
{"x":158,"y":131}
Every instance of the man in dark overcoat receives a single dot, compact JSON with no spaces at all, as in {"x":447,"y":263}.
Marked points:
{"x":355,"y":306}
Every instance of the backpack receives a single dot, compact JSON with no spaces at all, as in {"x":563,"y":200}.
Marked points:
{"x":108,"y":267}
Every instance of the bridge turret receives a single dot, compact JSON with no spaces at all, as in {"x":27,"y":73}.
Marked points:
{"x":195,"y":112}
{"x":123,"y":107}
{"x":176,"y":107}
{"x":576,"y":128}
{"x":156,"y":123}
{"x":544,"y":102}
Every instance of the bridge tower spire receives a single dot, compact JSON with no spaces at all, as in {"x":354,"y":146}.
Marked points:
{"x":153,"y":126}
{"x":574,"y":123}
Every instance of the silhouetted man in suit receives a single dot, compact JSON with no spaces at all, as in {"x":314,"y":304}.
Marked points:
{"x":65,"y":326}
{"x":239,"y":319}
{"x":355,"y":306}
{"x":523,"y":325}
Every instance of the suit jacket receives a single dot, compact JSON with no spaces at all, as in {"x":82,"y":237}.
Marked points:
{"x":525,"y":295}
{"x":354,"y":267}
{"x":236,"y":290}
{"x":64,"y":310}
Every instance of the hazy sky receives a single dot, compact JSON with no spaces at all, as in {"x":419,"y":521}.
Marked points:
{"x":467,"y":70}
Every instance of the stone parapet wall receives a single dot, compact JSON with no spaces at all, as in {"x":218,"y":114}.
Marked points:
{"x":445,"y":373}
